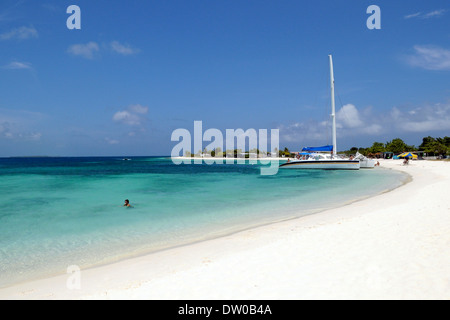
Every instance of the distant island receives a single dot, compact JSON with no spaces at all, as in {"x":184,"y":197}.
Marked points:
{"x":34,"y":157}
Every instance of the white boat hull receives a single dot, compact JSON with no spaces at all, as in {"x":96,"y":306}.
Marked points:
{"x":334,"y":164}
{"x":367,"y":163}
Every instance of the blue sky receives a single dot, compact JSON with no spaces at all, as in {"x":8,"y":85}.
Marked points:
{"x":137,"y":70}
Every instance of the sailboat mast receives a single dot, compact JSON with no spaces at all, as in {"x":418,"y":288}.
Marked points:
{"x":333,"y":107}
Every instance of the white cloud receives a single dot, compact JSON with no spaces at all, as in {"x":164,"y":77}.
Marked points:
{"x":16,"y":65}
{"x":430,"y":58}
{"x":127,"y":117}
{"x":21,"y":33}
{"x":431,"y":14}
{"x":125,"y":50}
{"x":351,"y":122}
{"x":425,"y":118}
{"x":137,"y":108}
{"x":132,"y":116}
{"x":348,"y":116}
{"x":87,"y":50}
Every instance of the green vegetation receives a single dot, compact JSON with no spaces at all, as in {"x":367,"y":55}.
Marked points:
{"x":436,"y":146}
{"x":432,"y":146}
{"x":285,"y":153}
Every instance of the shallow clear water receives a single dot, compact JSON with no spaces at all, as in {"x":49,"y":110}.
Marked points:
{"x":59,"y":212}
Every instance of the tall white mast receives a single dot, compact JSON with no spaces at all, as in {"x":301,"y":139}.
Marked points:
{"x":333,"y":111}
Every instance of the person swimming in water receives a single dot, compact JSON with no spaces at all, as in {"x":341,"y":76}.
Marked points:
{"x":127,"y":203}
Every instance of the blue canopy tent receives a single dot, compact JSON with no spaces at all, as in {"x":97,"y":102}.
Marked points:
{"x":318,"y":149}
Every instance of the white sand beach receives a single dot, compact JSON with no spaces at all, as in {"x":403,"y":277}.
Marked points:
{"x":395,"y":245}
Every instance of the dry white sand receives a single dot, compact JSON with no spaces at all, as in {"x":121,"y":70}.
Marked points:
{"x":392,"y":246}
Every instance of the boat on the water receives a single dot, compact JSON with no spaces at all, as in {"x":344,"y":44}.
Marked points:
{"x":325,"y":157}
{"x":365,"y":163}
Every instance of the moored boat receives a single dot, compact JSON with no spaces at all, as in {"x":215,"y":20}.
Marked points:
{"x":316,"y":159}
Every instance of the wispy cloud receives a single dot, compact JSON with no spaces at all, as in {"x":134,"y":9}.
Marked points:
{"x":51,"y":7}
{"x":20,"y":125}
{"x":435,"y":13}
{"x":27,"y":136}
{"x":21,"y":33}
{"x":16,"y":65}
{"x":5,"y":130}
{"x":428,"y":15}
{"x":34,"y":136}
{"x":111,"y":141}
{"x":4,"y":16}
{"x":86,"y":51}
{"x":122,"y":49}
{"x":413,"y":15}
{"x":430,"y":58}
{"x":91,"y":49}
{"x":134,"y":115}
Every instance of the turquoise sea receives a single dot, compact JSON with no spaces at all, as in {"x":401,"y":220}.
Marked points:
{"x":58,"y":212}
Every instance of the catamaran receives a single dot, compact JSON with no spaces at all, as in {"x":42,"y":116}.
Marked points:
{"x":365,"y":163}
{"x":315,"y":158}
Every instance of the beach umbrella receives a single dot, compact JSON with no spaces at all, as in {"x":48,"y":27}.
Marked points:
{"x":408,"y":154}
